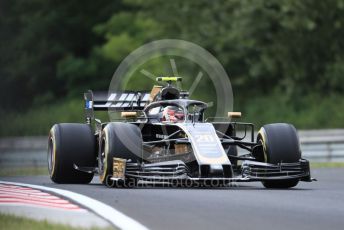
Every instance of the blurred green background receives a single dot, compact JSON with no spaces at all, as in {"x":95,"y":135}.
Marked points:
{"x":285,"y":58}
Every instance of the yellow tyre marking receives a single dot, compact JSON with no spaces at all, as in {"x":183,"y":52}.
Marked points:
{"x":106,"y":150}
{"x":53,"y":138}
{"x":262,"y":134}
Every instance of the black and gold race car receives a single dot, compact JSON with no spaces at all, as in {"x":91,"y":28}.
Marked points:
{"x":164,"y":138}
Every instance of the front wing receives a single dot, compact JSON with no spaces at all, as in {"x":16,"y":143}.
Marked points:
{"x":173,"y":171}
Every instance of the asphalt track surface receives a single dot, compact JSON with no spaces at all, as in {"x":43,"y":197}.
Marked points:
{"x":316,"y":205}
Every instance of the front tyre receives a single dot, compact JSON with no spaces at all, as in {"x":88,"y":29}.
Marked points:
{"x":280,"y":143}
{"x":70,"y":144}
{"x":120,"y":140}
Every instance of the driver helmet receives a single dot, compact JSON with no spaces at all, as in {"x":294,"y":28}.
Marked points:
{"x":173,"y":114}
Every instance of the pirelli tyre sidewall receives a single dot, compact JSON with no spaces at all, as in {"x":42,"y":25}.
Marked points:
{"x":280,"y":143}
{"x":112,"y":144}
{"x":70,"y":144}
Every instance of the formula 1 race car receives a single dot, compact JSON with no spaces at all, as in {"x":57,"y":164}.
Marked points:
{"x":163,"y":137}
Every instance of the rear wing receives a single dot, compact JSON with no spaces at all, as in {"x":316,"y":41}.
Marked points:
{"x":115,"y":101}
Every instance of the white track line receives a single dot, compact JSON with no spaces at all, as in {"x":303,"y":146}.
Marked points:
{"x":110,"y":214}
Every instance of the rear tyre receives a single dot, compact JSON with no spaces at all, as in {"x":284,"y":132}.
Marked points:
{"x":233,"y":151}
{"x":120,"y":140}
{"x":70,"y":144}
{"x":280,"y":143}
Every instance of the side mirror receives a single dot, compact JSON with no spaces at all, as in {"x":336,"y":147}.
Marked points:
{"x":234,"y":114}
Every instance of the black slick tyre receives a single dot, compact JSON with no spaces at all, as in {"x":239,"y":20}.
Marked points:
{"x":70,"y":144}
{"x":119,"y":140}
{"x":280,"y":143}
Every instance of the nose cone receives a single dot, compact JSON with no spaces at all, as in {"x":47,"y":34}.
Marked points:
{"x":216,"y":170}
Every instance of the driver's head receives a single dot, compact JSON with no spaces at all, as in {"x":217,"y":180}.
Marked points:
{"x":173,"y":114}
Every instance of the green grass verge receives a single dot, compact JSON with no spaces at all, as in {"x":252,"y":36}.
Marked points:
{"x":308,"y":112}
{"x":17,"y":171}
{"x":315,"y":165}
{"x":38,"y":121}
{"x":13,"y":222}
